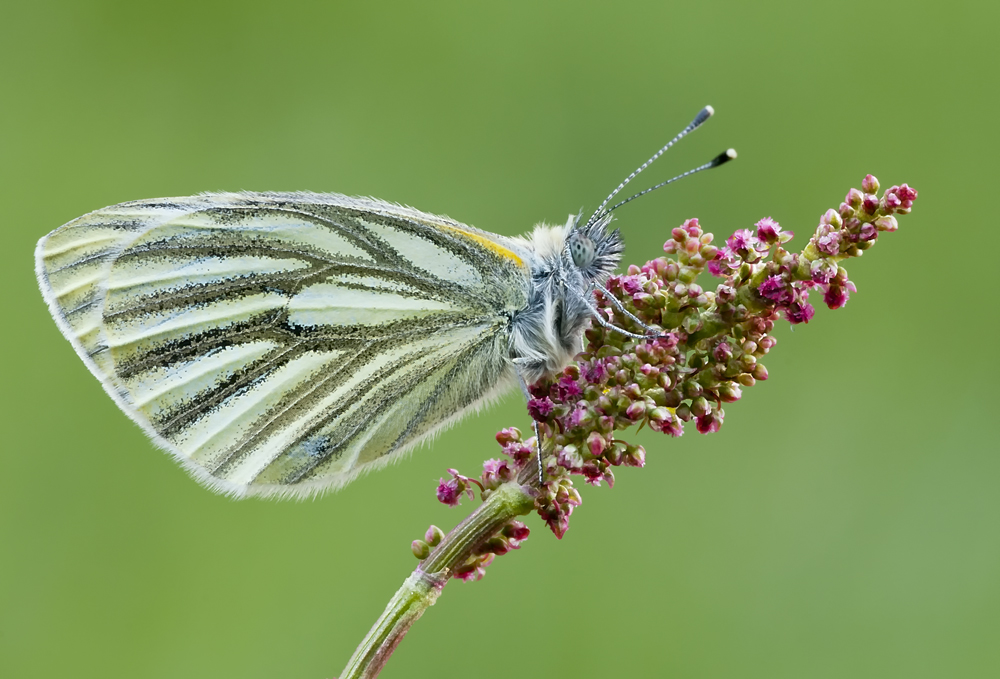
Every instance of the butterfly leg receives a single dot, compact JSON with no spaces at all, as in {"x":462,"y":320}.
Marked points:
{"x":611,"y":326}
{"x":621,"y":307}
{"x":534,"y":423}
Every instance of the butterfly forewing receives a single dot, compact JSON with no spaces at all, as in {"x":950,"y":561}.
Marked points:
{"x":283,"y":343}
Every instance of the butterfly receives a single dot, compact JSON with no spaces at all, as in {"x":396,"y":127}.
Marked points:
{"x":281,"y":344}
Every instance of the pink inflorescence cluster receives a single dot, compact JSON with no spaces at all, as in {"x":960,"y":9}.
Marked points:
{"x":496,"y":472}
{"x":710,"y":348}
{"x":786,"y":280}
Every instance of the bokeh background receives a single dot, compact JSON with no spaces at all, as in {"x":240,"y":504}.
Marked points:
{"x":844,"y":523}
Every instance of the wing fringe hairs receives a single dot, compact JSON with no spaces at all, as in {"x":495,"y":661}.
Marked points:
{"x":281,"y":344}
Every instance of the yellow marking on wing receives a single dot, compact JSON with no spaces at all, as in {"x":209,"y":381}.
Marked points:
{"x":485,"y":242}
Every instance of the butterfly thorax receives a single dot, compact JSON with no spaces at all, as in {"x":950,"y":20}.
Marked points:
{"x":565,"y":263}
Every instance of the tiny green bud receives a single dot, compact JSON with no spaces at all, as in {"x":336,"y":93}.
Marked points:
{"x":657,"y":395}
{"x":433,"y":536}
{"x":700,"y":407}
{"x":692,"y":389}
{"x":420,"y":549}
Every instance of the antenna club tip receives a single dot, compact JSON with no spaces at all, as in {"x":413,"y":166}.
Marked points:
{"x":724,"y":157}
{"x":703,"y":115}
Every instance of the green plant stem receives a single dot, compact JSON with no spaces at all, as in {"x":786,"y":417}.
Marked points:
{"x":422,"y":588}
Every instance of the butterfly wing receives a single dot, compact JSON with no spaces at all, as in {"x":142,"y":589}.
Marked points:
{"x":280,"y":344}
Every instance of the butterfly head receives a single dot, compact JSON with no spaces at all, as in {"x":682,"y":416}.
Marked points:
{"x":594,"y":249}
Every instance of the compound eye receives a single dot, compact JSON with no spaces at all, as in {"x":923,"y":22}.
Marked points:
{"x":583,"y":250}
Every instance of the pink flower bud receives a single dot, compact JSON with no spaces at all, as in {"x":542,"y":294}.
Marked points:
{"x":831,"y":218}
{"x":635,"y":456}
{"x":700,"y":407}
{"x":632,"y":285}
{"x":634,"y":412}
{"x":722,"y":352}
{"x":515,"y":531}
{"x":730,"y":392}
{"x":597,"y":443}
{"x":692,"y":227}
{"x":870,"y":184}
{"x":569,"y":458}
{"x":887,"y":223}
{"x":496,"y":545}
{"x":509,"y":435}
{"x":906,"y":193}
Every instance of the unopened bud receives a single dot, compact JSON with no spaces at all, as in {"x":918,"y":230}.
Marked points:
{"x":887,"y":223}
{"x":420,"y":549}
{"x":433,"y":536}
{"x":730,"y":392}
{"x":700,"y":407}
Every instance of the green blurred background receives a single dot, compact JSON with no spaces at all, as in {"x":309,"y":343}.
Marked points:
{"x":844,"y":523}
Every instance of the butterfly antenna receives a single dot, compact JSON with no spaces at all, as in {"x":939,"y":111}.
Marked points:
{"x":720,"y":159}
{"x":703,"y":115}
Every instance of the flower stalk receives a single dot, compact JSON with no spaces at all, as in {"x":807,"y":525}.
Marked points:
{"x":708,"y":346}
{"x":422,"y":588}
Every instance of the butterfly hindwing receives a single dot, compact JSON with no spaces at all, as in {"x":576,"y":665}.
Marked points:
{"x":283,"y":343}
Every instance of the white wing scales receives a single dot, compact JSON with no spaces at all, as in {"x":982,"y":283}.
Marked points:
{"x":284,"y":343}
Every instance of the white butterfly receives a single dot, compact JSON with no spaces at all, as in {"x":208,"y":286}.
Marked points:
{"x":283,"y":343}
